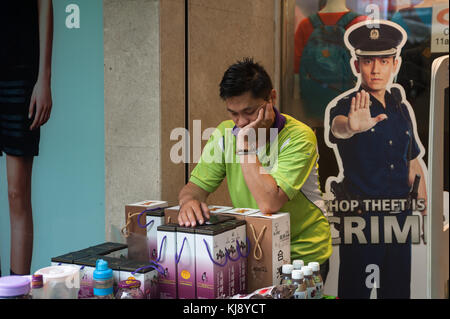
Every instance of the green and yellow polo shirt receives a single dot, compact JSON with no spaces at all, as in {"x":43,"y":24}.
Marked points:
{"x":291,"y":159}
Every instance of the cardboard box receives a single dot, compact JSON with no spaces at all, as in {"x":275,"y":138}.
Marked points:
{"x":138,"y":237}
{"x":171,"y":215}
{"x":241,"y":211}
{"x":213,"y":209}
{"x":186,"y":279}
{"x":167,"y":246}
{"x":274,"y":249}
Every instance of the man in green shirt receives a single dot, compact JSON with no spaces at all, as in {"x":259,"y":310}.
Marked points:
{"x":275,"y":173}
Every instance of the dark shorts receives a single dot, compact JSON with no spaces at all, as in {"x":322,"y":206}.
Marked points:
{"x":15,"y":136}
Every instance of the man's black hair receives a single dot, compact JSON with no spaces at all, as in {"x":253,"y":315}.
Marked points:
{"x":245,"y":76}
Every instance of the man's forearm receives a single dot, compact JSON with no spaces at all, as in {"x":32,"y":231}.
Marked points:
{"x":340,"y":127}
{"x":191,"y":192}
{"x":262,"y":186}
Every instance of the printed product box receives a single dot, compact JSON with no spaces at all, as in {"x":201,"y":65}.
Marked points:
{"x":219,"y":218}
{"x":171,"y":215}
{"x":233,"y":258}
{"x":242,"y":252}
{"x":211,"y":261}
{"x":154,"y":219}
{"x":186,"y":263}
{"x":241,"y":211}
{"x":138,"y":245}
{"x":120,"y":254}
{"x":167,"y":249}
{"x":241,"y":234}
{"x":108,"y":248}
{"x":218,"y":209}
{"x":69,"y":258}
{"x":272,"y":251}
{"x":147,"y":276}
{"x":86,"y":259}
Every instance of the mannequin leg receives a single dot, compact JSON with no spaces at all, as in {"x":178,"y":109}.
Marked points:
{"x":19,"y":171}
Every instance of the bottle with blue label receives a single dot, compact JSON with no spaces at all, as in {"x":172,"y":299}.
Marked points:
{"x":103,"y":280}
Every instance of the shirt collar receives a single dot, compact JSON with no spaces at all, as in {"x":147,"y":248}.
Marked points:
{"x":387,"y":96}
{"x":279,"y":123}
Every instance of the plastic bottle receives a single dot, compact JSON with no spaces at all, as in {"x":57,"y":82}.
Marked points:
{"x":300,"y":284}
{"x":298,"y":264}
{"x":286,"y":278}
{"x":103,"y":280}
{"x":310,"y":285}
{"x":317,"y":277}
{"x":37,"y":287}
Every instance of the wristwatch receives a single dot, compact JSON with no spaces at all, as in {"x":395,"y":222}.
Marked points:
{"x":246,"y":152}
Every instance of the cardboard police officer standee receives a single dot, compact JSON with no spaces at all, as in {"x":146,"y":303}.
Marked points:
{"x":382,"y":177}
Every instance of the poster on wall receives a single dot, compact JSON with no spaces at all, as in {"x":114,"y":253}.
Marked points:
{"x":373,"y":180}
{"x":51,"y":130}
{"x":372,"y":130}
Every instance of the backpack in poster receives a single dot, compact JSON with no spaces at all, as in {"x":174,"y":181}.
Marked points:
{"x":324,"y":69}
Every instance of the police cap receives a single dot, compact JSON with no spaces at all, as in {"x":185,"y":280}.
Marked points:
{"x":375,"y":39}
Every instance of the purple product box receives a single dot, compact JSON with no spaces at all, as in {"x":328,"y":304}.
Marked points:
{"x":211,"y":262}
{"x":167,"y":245}
{"x":147,"y":276}
{"x":186,"y":263}
{"x":153,"y":220}
{"x":233,"y":258}
{"x":241,"y":238}
{"x":238,"y":263}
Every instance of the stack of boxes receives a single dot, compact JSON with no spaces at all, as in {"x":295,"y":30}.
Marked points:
{"x":267,"y":255}
{"x":195,"y":259}
{"x":116,"y":256}
{"x":237,"y":251}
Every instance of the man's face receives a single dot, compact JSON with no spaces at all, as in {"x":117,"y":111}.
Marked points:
{"x":244,"y":109}
{"x":376,"y":72}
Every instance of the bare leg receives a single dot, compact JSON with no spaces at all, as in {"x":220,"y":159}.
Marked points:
{"x":21,"y":219}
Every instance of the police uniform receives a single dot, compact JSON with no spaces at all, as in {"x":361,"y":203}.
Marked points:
{"x":376,"y":166}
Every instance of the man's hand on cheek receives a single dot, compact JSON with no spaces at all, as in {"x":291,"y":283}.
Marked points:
{"x":265,"y":119}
